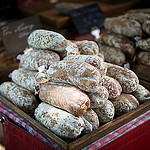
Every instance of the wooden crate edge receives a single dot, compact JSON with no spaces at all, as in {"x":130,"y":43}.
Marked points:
{"x":109,"y":127}
{"x":33,"y":122}
{"x":88,"y":138}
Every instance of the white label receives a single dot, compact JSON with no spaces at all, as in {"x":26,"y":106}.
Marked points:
{"x":19,"y":57}
{"x":137,"y":38}
{"x":69,"y":48}
{"x":41,"y":68}
{"x":127,"y":65}
{"x":42,"y":75}
{"x":28,"y":50}
{"x":136,"y":44}
{"x":95,"y":32}
{"x":10,"y":75}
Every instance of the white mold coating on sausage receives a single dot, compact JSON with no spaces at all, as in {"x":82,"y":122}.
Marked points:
{"x":20,"y":96}
{"x":94,"y":60}
{"x":59,"y":121}
{"x":112,"y":55}
{"x":105,"y":112}
{"x":99,"y":97}
{"x":87,"y":47}
{"x":123,"y":26}
{"x":113,"y":86}
{"x":44,"y":39}
{"x":88,"y":127}
{"x":125,"y":103}
{"x":71,"y":49}
{"x":127,"y":78}
{"x":142,"y":94}
{"x":26,"y":79}
{"x":118,"y":41}
{"x":92,"y":118}
{"x":80,"y":74}
{"x":33,"y":59}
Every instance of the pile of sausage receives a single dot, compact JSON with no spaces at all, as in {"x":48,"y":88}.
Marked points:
{"x":78,"y":90}
{"x":127,"y":34}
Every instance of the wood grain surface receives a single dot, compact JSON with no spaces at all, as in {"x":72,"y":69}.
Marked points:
{"x":143,"y":72}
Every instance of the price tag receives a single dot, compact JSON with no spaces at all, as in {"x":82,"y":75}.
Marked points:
{"x":69,"y":48}
{"x":15,"y":34}
{"x":127,"y":65}
{"x":137,"y":38}
{"x":27,"y":50}
{"x":87,"y":17}
{"x":19,"y":57}
{"x":41,"y":68}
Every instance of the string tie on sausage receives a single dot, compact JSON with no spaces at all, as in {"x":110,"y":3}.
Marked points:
{"x":10,"y":98}
{"x":42,"y":75}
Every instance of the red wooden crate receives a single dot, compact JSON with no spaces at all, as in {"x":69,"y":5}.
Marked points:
{"x":17,"y":138}
{"x":136,"y":139}
{"x":129,"y":131}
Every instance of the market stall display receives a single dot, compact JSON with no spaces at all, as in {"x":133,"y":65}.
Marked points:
{"x":71,"y":87}
{"x":78,"y":94}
